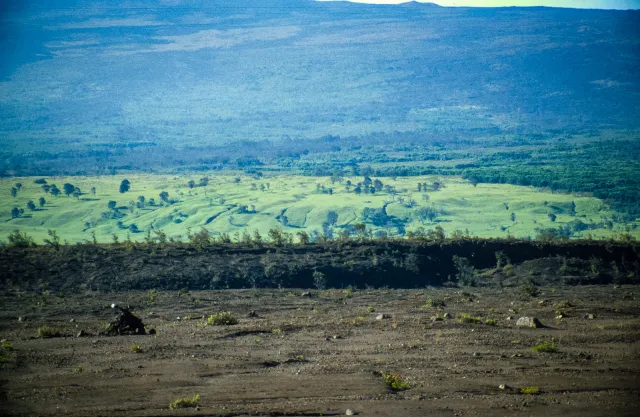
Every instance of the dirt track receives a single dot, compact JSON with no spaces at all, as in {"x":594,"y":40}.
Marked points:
{"x":320,"y":355}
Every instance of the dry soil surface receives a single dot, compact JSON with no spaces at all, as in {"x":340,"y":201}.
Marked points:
{"x":322,"y":354}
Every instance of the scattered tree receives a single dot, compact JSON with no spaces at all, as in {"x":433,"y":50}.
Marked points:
{"x":31,"y":205}
{"x":125,"y":185}
{"x":111,"y":205}
{"x":14,"y":192}
{"x":68,"y":189}
{"x":319,"y":280}
{"x":42,"y":202}
{"x":54,"y":241}
{"x":15,"y":212}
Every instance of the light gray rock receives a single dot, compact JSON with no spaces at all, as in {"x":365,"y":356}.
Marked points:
{"x":529,"y":322}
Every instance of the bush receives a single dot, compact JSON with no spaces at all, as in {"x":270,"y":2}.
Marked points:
{"x":185,"y":402}
{"x":546,"y":347}
{"x":530,"y":390}
{"x":222,"y":319}
{"x":435,"y":303}
{"x":20,"y":239}
{"x":395,"y":382}
{"x":468,"y":318}
{"x":466,"y":272}
{"x":47,"y":332}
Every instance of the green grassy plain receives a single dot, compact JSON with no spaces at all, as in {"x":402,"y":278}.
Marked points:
{"x":482,"y":210}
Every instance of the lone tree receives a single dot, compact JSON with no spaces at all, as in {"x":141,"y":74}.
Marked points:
{"x":77,"y":193}
{"x":15,"y":212}
{"x":14,"y":192}
{"x":124,"y":186}
{"x":42,"y":202}
{"x":54,"y":191}
{"x":191,"y":184}
{"x":31,"y":205}
{"x":111,"y":205}
{"x":164,"y":196}
{"x":332,"y":218}
{"x":68,"y":189}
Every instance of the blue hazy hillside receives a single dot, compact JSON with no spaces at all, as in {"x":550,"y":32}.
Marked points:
{"x":81,"y":74}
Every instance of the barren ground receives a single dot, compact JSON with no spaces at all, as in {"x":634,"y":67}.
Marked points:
{"x":320,"y":355}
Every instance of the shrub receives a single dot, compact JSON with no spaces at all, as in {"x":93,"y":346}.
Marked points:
{"x":530,"y":390}
{"x":222,"y":319}
{"x":466,"y":272}
{"x":395,"y":382}
{"x":185,"y":402}
{"x":468,"y":318}
{"x":547,"y":347}
{"x":490,"y":322}
{"x":20,"y":239}
{"x":435,"y":303}
{"x":135,"y":348}
{"x":46,"y":332}
{"x":530,"y":289}
{"x":319,"y":280}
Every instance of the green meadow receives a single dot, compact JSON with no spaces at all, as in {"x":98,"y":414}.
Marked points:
{"x":295,"y":203}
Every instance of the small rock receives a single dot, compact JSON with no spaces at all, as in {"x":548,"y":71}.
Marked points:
{"x":447,"y":316}
{"x":22,"y":318}
{"x":382,"y":316}
{"x":82,"y":333}
{"x":542,"y":302}
{"x":72,"y":320}
{"x":152,"y":331}
{"x":509,"y":318}
{"x":502,"y":386}
{"x":349,"y":412}
{"x":306,"y":294}
{"x":253,"y":315}
{"x":589,"y":316}
{"x":475,"y":354}
{"x":529,"y":322}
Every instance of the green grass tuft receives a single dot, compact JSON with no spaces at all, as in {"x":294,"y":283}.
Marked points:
{"x":47,"y":332}
{"x":468,"y":318}
{"x":185,"y":402}
{"x":222,"y":319}
{"x":530,"y":390}
{"x":395,"y":382}
{"x":546,"y":347}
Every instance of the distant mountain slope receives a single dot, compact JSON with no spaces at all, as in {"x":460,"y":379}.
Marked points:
{"x":199,"y":74}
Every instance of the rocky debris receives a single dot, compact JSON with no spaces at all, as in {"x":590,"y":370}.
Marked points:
{"x":529,"y":322}
{"x":383,"y":316}
{"x":125,"y":324}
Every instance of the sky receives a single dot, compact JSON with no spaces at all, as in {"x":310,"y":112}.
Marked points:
{"x":579,"y":4}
